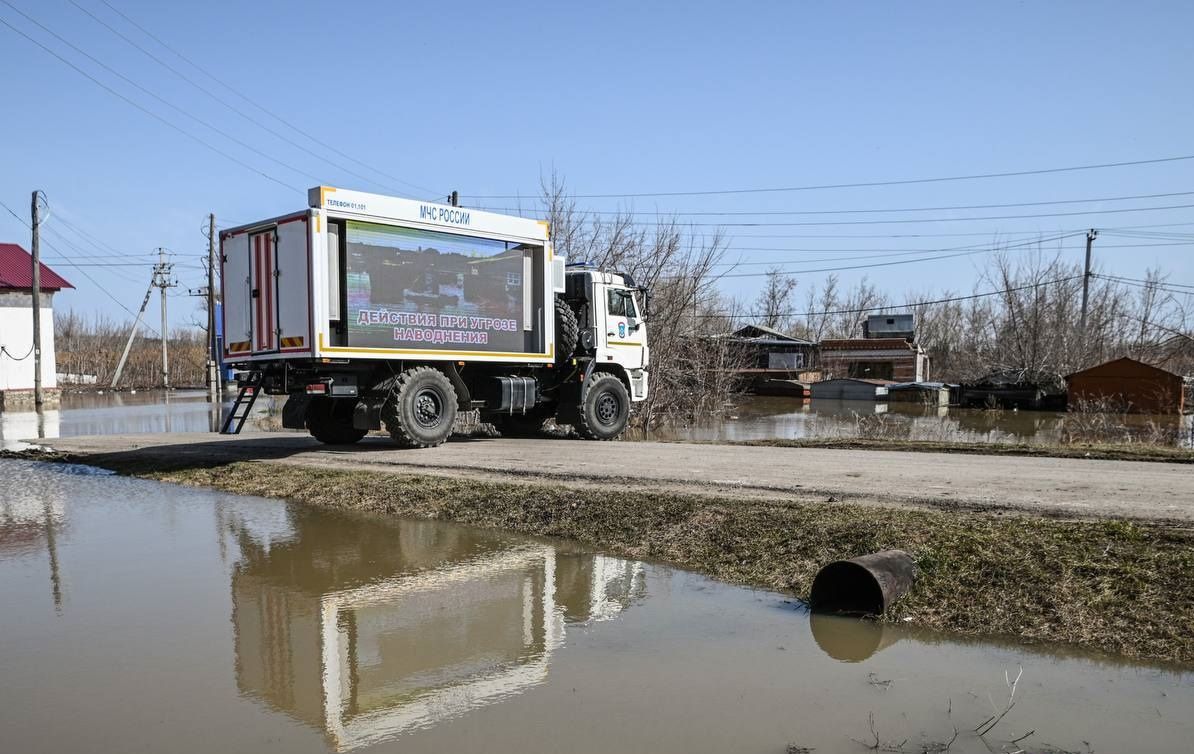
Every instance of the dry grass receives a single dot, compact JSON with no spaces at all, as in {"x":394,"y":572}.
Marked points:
{"x":1113,"y":586}
{"x":1094,"y":451}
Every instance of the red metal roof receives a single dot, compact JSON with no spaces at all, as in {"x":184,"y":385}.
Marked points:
{"x":16,"y":270}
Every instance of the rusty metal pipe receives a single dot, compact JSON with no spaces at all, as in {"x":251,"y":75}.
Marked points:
{"x":866,"y":585}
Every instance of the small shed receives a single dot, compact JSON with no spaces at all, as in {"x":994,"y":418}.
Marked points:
{"x":925,"y":393}
{"x":1128,"y":385}
{"x":850,"y":389}
{"x":16,"y":328}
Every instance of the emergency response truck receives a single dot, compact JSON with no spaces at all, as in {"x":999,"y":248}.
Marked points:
{"x":370,"y":310}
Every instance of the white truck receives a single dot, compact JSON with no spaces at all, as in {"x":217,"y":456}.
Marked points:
{"x":368,"y":310}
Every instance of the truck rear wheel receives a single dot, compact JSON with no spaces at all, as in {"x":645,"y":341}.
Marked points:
{"x":604,"y":409}
{"x":330,"y":421}
{"x":421,"y":408}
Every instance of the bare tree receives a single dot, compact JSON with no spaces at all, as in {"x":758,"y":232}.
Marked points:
{"x":773,"y":306}
{"x":691,"y":365}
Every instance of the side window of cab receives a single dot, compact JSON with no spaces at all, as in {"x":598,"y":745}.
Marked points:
{"x":621,"y":303}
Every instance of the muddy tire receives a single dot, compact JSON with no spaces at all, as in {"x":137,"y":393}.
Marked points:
{"x":330,"y":421}
{"x":567,"y":331}
{"x":420,"y":410}
{"x":604,"y":409}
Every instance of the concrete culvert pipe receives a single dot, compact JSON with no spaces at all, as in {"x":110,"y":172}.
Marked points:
{"x":866,"y":585}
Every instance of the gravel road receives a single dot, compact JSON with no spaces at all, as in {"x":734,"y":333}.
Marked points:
{"x":1053,"y":486}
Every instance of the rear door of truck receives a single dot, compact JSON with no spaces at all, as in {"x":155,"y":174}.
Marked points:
{"x":266,"y":289}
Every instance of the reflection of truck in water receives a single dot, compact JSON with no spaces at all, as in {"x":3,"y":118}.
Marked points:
{"x":366,"y":629}
{"x":368,"y":310}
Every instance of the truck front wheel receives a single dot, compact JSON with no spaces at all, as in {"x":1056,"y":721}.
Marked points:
{"x":421,"y":408}
{"x":330,"y":421}
{"x":605,"y":408}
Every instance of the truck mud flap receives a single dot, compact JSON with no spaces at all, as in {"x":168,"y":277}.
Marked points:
{"x":294,"y":411}
{"x":367,"y":413}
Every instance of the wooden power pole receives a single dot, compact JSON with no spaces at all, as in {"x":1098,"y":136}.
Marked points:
{"x":35,"y":243}
{"x":213,"y":357}
{"x":1090,"y":237}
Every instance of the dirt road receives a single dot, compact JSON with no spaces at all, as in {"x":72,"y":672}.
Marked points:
{"x":1053,"y":486}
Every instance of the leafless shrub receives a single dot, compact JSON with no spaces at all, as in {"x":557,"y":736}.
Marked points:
{"x":692,"y":363}
{"x":92,"y":346}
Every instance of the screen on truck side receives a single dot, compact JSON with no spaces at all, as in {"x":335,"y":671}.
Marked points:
{"x":409,"y":288}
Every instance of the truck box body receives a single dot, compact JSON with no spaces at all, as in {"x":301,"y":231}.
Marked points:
{"x":363,"y":276}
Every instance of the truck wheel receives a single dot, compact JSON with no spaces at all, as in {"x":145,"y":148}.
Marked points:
{"x":605,"y":408}
{"x":567,"y":331}
{"x":421,"y":408}
{"x":330,"y":421}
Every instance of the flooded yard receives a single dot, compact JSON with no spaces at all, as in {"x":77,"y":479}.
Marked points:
{"x":146,"y":617}
{"x":752,"y":418}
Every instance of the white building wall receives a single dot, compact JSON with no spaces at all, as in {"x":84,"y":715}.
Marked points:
{"x":16,"y":335}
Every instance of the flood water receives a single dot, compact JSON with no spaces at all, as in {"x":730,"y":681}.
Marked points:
{"x":752,"y":418}
{"x":139,"y":616}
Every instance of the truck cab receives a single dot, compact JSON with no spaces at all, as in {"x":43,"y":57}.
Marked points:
{"x":612,"y":323}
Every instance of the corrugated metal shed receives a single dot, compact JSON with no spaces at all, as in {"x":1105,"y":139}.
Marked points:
{"x":850,"y":389}
{"x":16,"y":271}
{"x":1128,"y":385}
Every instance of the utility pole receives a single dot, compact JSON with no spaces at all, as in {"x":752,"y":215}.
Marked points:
{"x":163,"y":279}
{"x":132,"y":334}
{"x":35,"y":243}
{"x":1090,"y":237}
{"x":213,"y":358}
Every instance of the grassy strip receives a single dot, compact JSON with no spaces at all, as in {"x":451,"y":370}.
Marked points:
{"x":1153,"y":453}
{"x":1114,"y":586}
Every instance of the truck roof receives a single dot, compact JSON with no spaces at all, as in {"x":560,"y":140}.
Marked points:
{"x":389,"y":209}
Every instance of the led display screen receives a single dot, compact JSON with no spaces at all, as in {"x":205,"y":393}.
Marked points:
{"x":409,"y":288}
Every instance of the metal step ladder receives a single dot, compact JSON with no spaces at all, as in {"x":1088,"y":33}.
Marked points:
{"x":250,"y":388}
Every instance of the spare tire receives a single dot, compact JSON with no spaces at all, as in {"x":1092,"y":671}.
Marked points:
{"x":567,"y":331}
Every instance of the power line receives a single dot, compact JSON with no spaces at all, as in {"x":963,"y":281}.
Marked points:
{"x":718,"y":213}
{"x":82,"y":272}
{"x":865,"y":184}
{"x":1158,"y":284}
{"x":906,"y":305}
{"x":159,"y":98}
{"x":228,"y":105}
{"x":899,"y":252}
{"x":149,"y":112}
{"x":926,"y":220}
{"x":886,"y":264}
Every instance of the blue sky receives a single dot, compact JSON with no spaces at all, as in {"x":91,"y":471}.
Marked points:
{"x":619,"y":98}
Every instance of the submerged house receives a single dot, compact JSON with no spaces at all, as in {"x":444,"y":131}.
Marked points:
{"x":1015,"y":390}
{"x":887,"y":351}
{"x":1128,"y":385}
{"x":16,"y":328}
{"x":773,"y":362}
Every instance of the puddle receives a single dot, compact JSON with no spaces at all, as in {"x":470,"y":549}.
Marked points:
{"x":146,"y":617}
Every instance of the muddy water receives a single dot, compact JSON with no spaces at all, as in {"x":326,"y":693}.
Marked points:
{"x":143,"y":617}
{"x":753,"y":418}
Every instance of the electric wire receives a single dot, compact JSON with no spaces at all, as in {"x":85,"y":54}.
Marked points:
{"x":227,"y":104}
{"x":905,"y":305}
{"x":862,"y":184}
{"x":149,"y":112}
